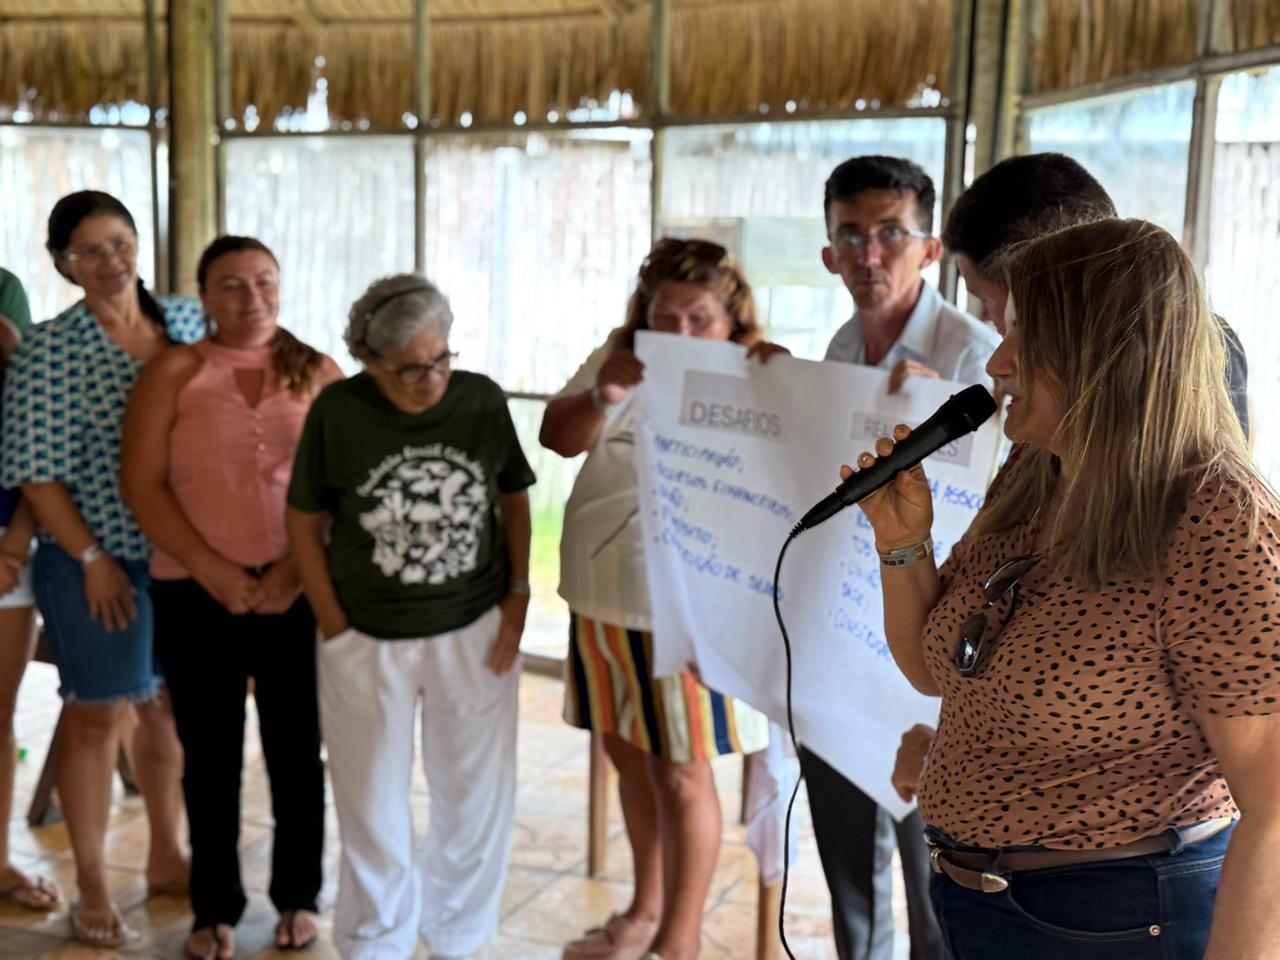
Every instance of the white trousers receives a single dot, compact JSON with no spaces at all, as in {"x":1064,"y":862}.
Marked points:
{"x":447,"y":891}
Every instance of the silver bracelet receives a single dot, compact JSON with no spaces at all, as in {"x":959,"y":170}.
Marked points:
{"x":907,"y":556}
{"x":598,"y":401}
{"x":90,"y":554}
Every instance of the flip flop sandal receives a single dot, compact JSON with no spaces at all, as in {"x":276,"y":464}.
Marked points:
{"x":101,"y":937}
{"x":36,"y":894}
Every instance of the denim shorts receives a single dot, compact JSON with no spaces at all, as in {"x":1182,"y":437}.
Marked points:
{"x":1158,"y":907}
{"x":96,"y":667}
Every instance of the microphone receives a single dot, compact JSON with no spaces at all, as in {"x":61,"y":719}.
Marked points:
{"x":963,"y":413}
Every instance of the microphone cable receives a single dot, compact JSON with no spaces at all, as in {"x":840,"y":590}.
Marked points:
{"x":795,"y":745}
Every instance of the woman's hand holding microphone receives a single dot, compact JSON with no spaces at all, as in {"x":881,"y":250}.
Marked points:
{"x":900,"y":512}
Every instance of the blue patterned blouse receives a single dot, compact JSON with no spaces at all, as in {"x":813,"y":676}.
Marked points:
{"x":65,"y":396}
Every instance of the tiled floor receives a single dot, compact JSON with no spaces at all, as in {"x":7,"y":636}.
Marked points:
{"x":547,"y":899}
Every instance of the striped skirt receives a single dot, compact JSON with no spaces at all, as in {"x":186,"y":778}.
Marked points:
{"x":610,"y":688}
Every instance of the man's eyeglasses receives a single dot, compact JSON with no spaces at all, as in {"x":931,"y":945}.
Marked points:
{"x":890,"y":236}
{"x":415,"y":374}
{"x":976,"y":633}
{"x":119,"y":247}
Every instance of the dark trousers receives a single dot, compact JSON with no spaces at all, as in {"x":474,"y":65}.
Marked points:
{"x":208,"y":656}
{"x":855,"y":842}
{"x":1158,"y":907}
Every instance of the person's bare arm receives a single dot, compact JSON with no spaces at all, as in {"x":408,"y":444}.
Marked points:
{"x":15,"y":546}
{"x":108,"y":590}
{"x":307,"y":534}
{"x":901,"y":513}
{"x":571,"y":425}
{"x":515,"y":605}
{"x":144,"y":480}
{"x":1246,"y":925}
{"x":908,"y":766}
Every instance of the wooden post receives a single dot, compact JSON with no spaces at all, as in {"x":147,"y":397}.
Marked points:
{"x":1201,"y":150}
{"x":957,"y":129}
{"x":160,"y":270}
{"x":997,"y":58}
{"x":659,"y":106}
{"x":421,"y":110}
{"x":193,"y":214}
{"x":223,"y":121}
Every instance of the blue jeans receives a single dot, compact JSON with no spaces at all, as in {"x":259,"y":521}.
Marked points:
{"x":1143,"y":908}
{"x":95,"y":666}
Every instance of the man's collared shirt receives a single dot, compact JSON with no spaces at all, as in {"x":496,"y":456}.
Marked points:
{"x":939,"y":335}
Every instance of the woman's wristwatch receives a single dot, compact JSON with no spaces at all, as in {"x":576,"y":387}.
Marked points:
{"x":519,"y":586}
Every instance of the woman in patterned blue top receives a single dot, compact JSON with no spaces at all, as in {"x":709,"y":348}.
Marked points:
{"x":64,"y":406}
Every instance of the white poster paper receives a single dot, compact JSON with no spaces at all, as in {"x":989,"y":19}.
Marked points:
{"x":730,"y":454}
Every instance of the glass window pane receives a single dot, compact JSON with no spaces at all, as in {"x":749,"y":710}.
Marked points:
{"x":547,"y":629}
{"x":1134,"y":143}
{"x":38,"y":166}
{"x":536,"y":239}
{"x":758,"y":189}
{"x":336,"y":211}
{"x":1244,"y":239}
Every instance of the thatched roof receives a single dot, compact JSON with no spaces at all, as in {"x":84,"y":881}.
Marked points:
{"x":1082,"y":41}
{"x":494,"y":58}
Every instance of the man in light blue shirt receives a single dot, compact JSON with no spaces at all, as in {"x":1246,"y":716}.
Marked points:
{"x":879,"y":219}
{"x":879,"y":214}
{"x":939,"y":340}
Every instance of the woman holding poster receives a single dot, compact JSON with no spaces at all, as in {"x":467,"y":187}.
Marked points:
{"x":1104,"y":637}
{"x":660,"y":732}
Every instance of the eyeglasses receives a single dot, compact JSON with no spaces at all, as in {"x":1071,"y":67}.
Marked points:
{"x":119,"y":247}
{"x":672,"y":256}
{"x":976,"y":635}
{"x":415,"y":374}
{"x":890,"y":236}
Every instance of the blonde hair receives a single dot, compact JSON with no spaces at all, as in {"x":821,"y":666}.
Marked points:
{"x":700,"y":262}
{"x":1111,"y":316}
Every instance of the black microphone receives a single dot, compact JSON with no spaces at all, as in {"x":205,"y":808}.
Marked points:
{"x":963,"y":413}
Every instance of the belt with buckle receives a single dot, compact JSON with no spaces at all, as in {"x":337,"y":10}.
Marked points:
{"x":987,"y":871}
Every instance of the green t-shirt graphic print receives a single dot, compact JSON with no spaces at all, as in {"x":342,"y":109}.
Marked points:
{"x":417,"y":546}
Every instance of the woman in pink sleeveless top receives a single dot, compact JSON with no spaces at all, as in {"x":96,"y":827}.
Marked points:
{"x":209,"y":444}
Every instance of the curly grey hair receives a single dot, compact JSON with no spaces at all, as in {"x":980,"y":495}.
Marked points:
{"x":392,"y":312}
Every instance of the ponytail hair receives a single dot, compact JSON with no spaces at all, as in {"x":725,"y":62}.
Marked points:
{"x":298,"y":366}
{"x":151,"y":308}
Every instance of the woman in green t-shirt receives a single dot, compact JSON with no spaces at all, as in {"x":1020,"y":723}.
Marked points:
{"x":409,"y":518}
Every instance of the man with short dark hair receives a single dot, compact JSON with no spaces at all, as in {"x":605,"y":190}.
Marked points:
{"x":879,"y":213}
{"x":1025,"y":197}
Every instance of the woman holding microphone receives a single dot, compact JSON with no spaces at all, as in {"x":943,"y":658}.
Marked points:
{"x":1104,"y":636}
